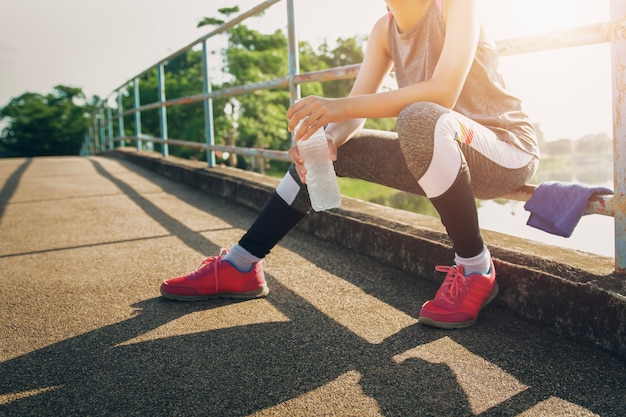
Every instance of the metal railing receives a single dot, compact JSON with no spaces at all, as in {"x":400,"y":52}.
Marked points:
{"x":101,"y":136}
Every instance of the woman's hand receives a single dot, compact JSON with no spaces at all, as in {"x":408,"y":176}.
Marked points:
{"x":299,"y":162}
{"x":314,"y":112}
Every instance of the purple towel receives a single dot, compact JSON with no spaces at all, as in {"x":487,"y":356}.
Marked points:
{"x":556,"y":207}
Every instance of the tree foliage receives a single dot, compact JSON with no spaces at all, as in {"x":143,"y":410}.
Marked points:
{"x":38,"y":125}
{"x":214,"y":21}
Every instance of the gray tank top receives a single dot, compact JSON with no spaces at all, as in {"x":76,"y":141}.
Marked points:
{"x":484,"y":97}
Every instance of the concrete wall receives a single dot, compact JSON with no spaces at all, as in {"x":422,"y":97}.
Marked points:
{"x":573,"y":293}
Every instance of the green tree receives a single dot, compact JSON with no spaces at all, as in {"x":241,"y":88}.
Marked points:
{"x":215,"y":21}
{"x":311,"y":61}
{"x":346,"y":51}
{"x":38,"y":125}
{"x":253,"y":57}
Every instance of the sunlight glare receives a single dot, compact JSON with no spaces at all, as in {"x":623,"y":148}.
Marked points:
{"x":228,"y":316}
{"x":510,"y":18}
{"x":557,"y":407}
{"x":331,"y":396}
{"x":468,"y":368}
{"x":14,"y":396}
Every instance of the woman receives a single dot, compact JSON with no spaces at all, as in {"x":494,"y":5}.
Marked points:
{"x":454,"y":118}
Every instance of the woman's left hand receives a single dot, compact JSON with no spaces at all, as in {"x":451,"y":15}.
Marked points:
{"x":294,"y":154}
{"x":314,"y":112}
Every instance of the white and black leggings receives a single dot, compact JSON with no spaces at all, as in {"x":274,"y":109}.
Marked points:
{"x":432,"y":155}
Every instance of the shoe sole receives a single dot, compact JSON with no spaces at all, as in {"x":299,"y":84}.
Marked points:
{"x":260,"y":293}
{"x":450,"y":326}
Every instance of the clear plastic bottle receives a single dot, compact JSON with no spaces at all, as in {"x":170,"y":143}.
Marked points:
{"x":320,"y":173}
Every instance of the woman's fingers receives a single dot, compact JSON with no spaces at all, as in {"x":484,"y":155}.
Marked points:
{"x":298,"y":162}
{"x":306,"y":116}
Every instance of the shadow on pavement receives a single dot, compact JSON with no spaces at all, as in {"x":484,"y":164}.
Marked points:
{"x":11,"y":184}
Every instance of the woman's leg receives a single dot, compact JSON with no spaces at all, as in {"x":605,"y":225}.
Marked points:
{"x":238,"y":273}
{"x":444,"y":156}
{"x":286,"y":207}
{"x":434,"y":153}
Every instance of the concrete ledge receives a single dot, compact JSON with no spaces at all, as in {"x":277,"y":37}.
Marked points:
{"x":573,"y":293}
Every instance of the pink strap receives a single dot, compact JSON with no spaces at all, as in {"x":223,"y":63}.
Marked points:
{"x":438,"y":5}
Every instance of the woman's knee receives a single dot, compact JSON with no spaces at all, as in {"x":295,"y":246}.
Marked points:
{"x":416,"y":133}
{"x":422,"y":108}
{"x":417,"y":121}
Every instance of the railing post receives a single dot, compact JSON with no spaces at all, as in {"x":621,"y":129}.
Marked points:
{"x":101,"y":121}
{"x":120,"y":118}
{"x":137,"y":113}
{"x":293,"y":52}
{"x":163,"y":110}
{"x":94,"y":133}
{"x":110,"y":140}
{"x":84,"y":150}
{"x":208,"y":106}
{"x":618,"y":57}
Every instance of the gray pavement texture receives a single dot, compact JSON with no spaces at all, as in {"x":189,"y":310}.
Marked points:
{"x":85,"y":243}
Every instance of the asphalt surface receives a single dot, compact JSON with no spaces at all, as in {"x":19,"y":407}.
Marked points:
{"x":85,"y":243}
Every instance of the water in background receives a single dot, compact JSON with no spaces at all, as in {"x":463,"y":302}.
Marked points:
{"x":594,"y":233}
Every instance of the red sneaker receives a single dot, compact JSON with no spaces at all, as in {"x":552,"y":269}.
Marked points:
{"x":459,"y":299}
{"x":216,"y":279}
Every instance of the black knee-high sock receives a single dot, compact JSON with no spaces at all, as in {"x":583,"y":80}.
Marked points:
{"x":275,"y":220}
{"x":457,"y":209}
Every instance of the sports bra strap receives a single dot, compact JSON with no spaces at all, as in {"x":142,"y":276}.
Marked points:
{"x":438,"y":5}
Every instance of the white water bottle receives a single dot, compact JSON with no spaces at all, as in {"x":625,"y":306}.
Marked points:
{"x":320,"y":173}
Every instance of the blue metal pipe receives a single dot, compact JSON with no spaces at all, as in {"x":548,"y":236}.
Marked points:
{"x":120,"y":118}
{"x":618,"y":57}
{"x":137,"y":112}
{"x":162,"y":109}
{"x":208,"y":106}
{"x":110,"y":129}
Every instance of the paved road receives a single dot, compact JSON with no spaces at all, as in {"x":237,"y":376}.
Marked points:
{"x":85,"y":243}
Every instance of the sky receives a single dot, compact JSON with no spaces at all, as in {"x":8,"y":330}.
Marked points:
{"x":98,"y":45}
